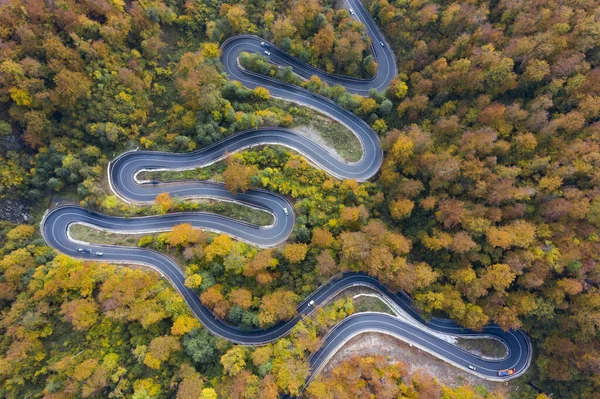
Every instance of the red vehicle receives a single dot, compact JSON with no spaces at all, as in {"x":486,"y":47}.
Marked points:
{"x":504,"y":373}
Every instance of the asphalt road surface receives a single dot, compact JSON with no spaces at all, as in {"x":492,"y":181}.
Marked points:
{"x":122,"y":177}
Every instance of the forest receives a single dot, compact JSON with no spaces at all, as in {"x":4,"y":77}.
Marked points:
{"x":486,"y":209}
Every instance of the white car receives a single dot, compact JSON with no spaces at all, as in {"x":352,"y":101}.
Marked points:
{"x":285,"y":211}
{"x":312,"y":302}
{"x":472,"y":367}
{"x":382,"y":44}
{"x":99,"y":254}
{"x":351,"y":11}
{"x":267,"y":52}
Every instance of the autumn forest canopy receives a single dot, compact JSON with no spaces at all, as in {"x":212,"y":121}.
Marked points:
{"x":486,"y":208}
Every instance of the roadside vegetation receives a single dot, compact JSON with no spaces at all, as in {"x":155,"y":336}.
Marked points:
{"x":486,"y":209}
{"x":489,"y":348}
{"x":92,"y":235}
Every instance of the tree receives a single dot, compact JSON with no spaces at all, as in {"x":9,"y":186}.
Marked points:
{"x":184,"y":324}
{"x":278,"y":306}
{"x":237,"y":175}
{"x":183,"y":234}
{"x":213,"y":297}
{"x":322,"y":238}
{"x":262,"y":355}
{"x":145,"y":241}
{"x":193,"y":281}
{"x":221,"y":245}
{"x":161,"y":349}
{"x":289,"y":369}
{"x":282,"y":28}
{"x":241,"y":297}
{"x":20,"y":233}
{"x":70,"y":88}
{"x":363,"y":377}
{"x":208,"y":393}
{"x":189,"y":387}
{"x":323,"y":41}
{"x":326,"y":263}
{"x":354,"y":216}
{"x":398,"y":89}
{"x":499,"y":276}
{"x":367,"y":106}
{"x":81,"y":313}
{"x":162,"y":203}
{"x":200,"y":345}
{"x":236,"y":16}
{"x":261,"y":93}
{"x":234,"y":360}
{"x":399,"y":244}
{"x":401,"y":208}
{"x":295,"y":253}
{"x":198,"y":82}
{"x":499,"y":237}
{"x":462,"y":242}
{"x":263,"y":260}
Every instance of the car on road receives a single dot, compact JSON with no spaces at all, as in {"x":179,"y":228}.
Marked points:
{"x":86,"y":250}
{"x":285,"y":211}
{"x":351,"y":11}
{"x":312,"y":302}
{"x":504,"y":373}
{"x":264,"y":44}
{"x":382,"y":43}
{"x":99,"y":254}
{"x":472,"y":367}
{"x":267,"y":52}
{"x":154,"y":182}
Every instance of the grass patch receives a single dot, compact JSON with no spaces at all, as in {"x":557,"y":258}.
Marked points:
{"x":235,"y":211}
{"x":96,"y":236}
{"x":338,"y":137}
{"x":223,"y":208}
{"x":212,"y":172}
{"x":332,"y":133}
{"x":365,"y":303}
{"x":483,"y":347}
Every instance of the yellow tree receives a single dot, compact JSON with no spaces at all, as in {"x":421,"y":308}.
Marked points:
{"x":234,"y":360}
{"x":161,"y":349}
{"x":401,"y":208}
{"x":81,"y":313}
{"x":241,"y":297}
{"x":163,"y":203}
{"x":295,"y":253}
{"x":280,"y":305}
{"x":322,"y":238}
{"x":261,"y":93}
{"x":183,"y":234}
{"x":237,"y":175}
{"x":323,"y":41}
{"x":220,"y":246}
{"x":184,"y":324}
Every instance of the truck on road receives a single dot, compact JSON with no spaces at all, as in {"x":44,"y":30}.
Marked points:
{"x":507,"y":372}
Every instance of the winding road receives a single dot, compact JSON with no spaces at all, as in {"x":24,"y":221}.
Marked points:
{"x":123,"y":171}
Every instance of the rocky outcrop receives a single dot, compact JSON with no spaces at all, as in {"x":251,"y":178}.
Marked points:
{"x":14,"y":211}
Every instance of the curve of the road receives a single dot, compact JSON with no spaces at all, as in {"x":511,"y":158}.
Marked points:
{"x":123,"y":171}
